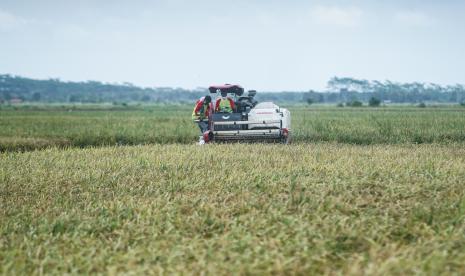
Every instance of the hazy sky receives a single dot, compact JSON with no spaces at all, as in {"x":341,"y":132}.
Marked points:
{"x":267,"y":45}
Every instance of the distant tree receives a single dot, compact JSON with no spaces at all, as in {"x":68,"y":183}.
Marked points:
{"x":145,"y":98}
{"x":7,"y":96}
{"x":348,"y":84}
{"x":310,"y":97}
{"x":354,"y":103}
{"x":74,"y":98}
{"x":373,"y":102}
{"x":421,"y":105}
{"x":36,"y":97}
{"x":340,"y":105}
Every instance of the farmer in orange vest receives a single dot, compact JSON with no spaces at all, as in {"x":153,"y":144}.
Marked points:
{"x":224,"y":104}
{"x":202,"y":110}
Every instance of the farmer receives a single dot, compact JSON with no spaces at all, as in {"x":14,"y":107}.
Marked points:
{"x":224,"y":103}
{"x":202,"y":110}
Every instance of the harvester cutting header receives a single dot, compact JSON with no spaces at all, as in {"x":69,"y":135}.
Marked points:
{"x":233,"y":116}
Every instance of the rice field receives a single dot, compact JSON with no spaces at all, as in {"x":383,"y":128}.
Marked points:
{"x":65,"y":126}
{"x":361,"y":191}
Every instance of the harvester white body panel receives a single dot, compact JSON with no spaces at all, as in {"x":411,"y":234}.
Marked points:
{"x":270,"y":112}
{"x":266,"y":122}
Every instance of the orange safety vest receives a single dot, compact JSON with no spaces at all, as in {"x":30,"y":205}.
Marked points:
{"x":224,"y":105}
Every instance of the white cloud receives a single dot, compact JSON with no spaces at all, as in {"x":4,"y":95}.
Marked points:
{"x":10,"y":21}
{"x":413,"y":18}
{"x":337,"y":16}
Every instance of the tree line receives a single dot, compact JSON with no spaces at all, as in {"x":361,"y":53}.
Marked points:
{"x":339,"y":90}
{"x":350,"y":89}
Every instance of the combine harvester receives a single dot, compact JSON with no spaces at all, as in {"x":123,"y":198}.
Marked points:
{"x":250,"y":121}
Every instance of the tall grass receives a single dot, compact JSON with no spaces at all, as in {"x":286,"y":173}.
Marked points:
{"x":29,"y":129}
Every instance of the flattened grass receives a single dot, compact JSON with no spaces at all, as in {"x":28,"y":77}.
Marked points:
{"x":322,"y":208}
